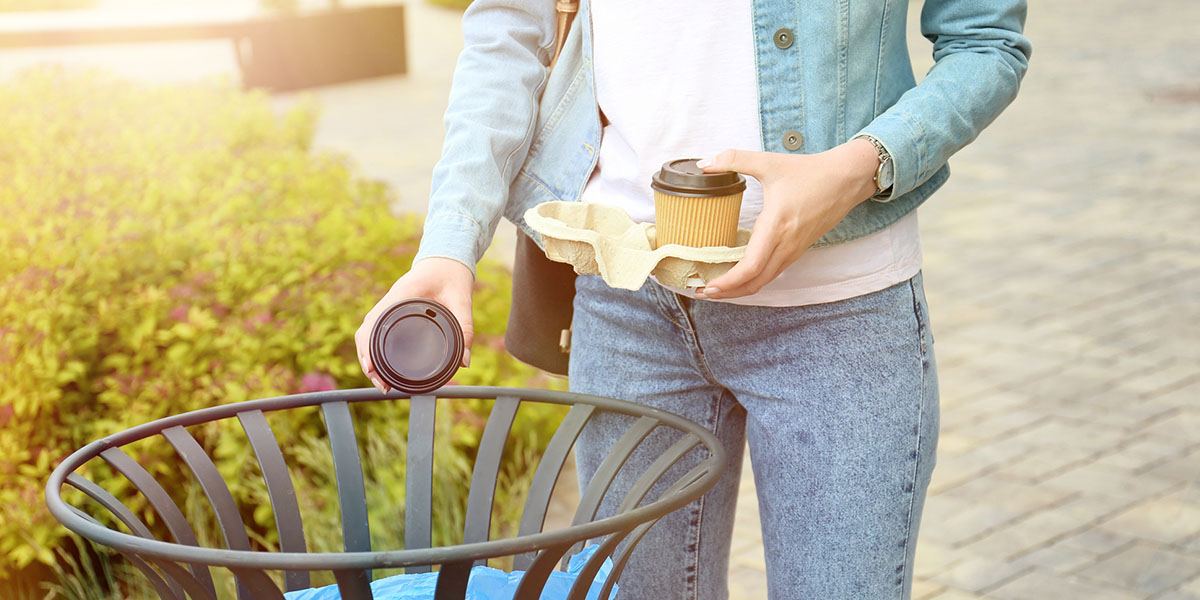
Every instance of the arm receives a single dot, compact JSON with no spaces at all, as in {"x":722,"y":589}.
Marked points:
{"x":980,"y":58}
{"x":489,"y":124}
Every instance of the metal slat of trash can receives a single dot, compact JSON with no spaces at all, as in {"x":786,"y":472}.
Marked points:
{"x":229,"y":519}
{"x":607,"y":472}
{"x":126,"y":516}
{"x":179,"y":581}
{"x":280,"y":491}
{"x":354,"y":584}
{"x":195,"y":590}
{"x":537,"y":551}
{"x":636,"y":494}
{"x":593,"y":495}
{"x":539,"y":571}
{"x":163,"y":505}
{"x":641,"y":530}
{"x":418,"y":505}
{"x":256,"y":585}
{"x":251,"y":584}
{"x":452,"y":579}
{"x":487,"y":469}
{"x":546,"y":476}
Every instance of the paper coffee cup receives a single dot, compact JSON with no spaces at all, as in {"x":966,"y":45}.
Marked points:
{"x":694,"y":208}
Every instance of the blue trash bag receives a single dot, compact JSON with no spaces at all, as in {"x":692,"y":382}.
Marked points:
{"x":485,"y":583}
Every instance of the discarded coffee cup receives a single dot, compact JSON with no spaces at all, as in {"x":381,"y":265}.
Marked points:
{"x":694,"y":208}
{"x":416,"y":346}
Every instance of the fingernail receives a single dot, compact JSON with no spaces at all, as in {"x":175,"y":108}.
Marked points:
{"x":467,"y":357}
{"x":710,"y":290}
{"x":704,"y":162}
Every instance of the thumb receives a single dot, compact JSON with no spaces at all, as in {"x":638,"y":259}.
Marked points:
{"x":743,"y":161}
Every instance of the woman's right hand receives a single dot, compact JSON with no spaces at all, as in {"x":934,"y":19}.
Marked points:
{"x":442,"y":279}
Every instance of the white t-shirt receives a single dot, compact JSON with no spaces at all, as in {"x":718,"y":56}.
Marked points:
{"x":678,"y":80}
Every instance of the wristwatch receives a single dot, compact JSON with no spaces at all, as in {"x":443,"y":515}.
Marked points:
{"x":886,"y":172}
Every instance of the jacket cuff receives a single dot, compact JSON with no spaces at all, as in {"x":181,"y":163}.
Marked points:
{"x":903,"y":140}
{"x":451,"y":235}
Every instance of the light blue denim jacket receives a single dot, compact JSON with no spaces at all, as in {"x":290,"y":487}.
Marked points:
{"x":518,"y":134}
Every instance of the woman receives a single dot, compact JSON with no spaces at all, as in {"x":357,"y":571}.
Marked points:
{"x":816,"y":347}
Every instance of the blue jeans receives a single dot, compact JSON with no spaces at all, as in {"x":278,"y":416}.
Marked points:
{"x":839,"y":405}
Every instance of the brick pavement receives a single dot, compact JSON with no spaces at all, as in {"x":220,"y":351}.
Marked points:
{"x":1062,"y":265}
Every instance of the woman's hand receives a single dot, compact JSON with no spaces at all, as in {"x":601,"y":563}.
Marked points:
{"x":804,"y":196}
{"x":442,"y":279}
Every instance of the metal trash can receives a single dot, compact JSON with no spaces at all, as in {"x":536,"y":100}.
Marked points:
{"x":180,"y":569}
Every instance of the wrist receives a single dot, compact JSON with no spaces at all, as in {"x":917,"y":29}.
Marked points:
{"x":444,"y":267}
{"x":861,"y":162}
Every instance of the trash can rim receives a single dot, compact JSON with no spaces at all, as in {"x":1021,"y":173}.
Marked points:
{"x":124,"y":542}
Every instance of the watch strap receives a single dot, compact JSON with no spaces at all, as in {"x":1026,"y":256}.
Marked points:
{"x":885,"y":174}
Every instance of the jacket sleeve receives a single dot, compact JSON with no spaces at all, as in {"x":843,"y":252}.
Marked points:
{"x":489,"y":124}
{"x":980,"y":56}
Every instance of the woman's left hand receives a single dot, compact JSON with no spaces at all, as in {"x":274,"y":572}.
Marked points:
{"x":804,"y":196}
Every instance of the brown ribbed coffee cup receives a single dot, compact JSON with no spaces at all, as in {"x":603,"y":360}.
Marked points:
{"x":694,"y":208}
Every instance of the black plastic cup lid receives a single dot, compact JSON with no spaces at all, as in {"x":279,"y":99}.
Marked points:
{"x":682,"y":177}
{"x":416,"y":346}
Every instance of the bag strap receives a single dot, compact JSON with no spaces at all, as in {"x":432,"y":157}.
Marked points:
{"x":565,"y":9}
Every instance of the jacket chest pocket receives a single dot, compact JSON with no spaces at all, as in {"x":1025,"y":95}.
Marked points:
{"x":567,"y":139}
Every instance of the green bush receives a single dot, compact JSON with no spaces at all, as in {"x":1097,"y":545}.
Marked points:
{"x":171,"y":248}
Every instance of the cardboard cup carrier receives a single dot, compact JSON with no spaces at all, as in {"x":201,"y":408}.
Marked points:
{"x":695,"y":240}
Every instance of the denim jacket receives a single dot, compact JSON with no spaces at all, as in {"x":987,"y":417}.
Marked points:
{"x":519,"y":134}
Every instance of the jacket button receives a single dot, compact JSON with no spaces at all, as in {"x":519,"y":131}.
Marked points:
{"x":792,"y":140}
{"x":784,"y":38}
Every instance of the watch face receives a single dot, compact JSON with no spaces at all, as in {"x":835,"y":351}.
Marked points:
{"x":884,"y":175}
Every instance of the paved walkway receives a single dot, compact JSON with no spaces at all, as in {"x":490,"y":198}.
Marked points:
{"x":1063,"y":271}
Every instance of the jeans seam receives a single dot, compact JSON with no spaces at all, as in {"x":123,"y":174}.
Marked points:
{"x":698,"y":528}
{"x":904,"y":562}
{"x":693,"y":341}
{"x":671,"y":306}
{"x":698,"y":353}
{"x":667,"y":309}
